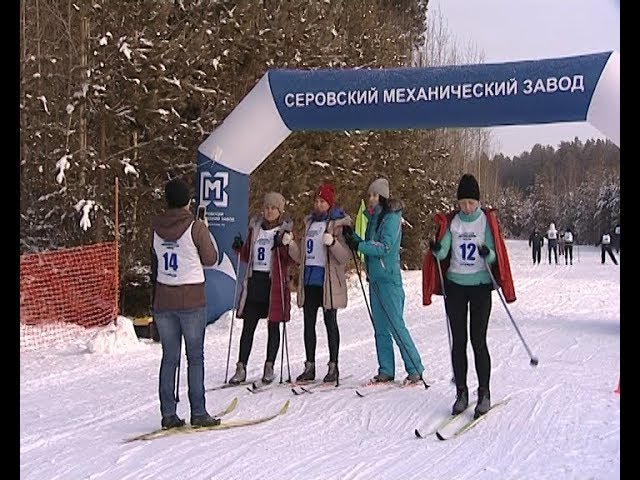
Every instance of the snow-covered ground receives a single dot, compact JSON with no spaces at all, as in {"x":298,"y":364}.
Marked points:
{"x":78,"y":404}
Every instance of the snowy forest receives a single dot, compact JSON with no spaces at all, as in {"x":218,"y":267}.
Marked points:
{"x":130,"y":89}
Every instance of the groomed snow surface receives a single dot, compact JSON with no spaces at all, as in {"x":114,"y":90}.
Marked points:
{"x":79,"y":403}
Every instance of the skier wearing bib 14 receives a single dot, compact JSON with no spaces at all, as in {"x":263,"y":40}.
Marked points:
{"x":466,"y":239}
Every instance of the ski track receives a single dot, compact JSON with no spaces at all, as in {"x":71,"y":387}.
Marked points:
{"x":72,"y":403}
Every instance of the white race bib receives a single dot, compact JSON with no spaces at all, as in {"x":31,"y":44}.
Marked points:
{"x":552,"y":234}
{"x":568,"y":237}
{"x":178,"y":261}
{"x":262,"y":250}
{"x":316,"y":254}
{"x":606,"y":239}
{"x":465,"y":239}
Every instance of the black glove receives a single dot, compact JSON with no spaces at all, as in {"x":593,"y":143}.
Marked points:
{"x":277,"y":240}
{"x":483,"y":250}
{"x":352,"y":242}
{"x":347,"y":231}
{"x":434,"y":246}
{"x":237,"y":242}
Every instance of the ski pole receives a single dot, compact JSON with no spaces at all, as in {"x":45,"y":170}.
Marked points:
{"x":444,"y":294}
{"x":178,"y":377}
{"x":533,"y":360}
{"x":284,"y":327}
{"x":366,"y":302}
{"x":328,"y":271}
{"x":233,"y":314}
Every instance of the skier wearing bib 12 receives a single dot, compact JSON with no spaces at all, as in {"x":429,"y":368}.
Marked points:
{"x":466,"y":239}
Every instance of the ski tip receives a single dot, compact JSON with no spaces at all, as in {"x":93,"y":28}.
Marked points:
{"x":359,"y":394}
{"x":440,"y":437}
{"x":284,"y":408}
{"x":295,"y":392}
{"x":417,"y":433}
{"x":231,"y":405}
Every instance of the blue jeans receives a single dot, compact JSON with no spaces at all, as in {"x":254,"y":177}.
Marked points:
{"x":172,"y":326}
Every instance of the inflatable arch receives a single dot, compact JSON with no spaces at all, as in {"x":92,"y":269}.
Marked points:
{"x":569,"y":89}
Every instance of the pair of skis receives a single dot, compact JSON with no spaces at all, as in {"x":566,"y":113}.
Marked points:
{"x":224,"y":425}
{"x":300,"y":388}
{"x":372,"y":388}
{"x":442,"y":432}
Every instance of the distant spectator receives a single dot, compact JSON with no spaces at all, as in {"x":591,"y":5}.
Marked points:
{"x":536,"y":241}
{"x":605,"y":247}
{"x":569,"y":238}
{"x":552,"y":242}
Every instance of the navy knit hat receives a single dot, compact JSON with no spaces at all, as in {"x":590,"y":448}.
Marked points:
{"x":176,"y":193}
{"x":468,"y":187}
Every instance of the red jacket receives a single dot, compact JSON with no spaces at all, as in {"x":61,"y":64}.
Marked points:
{"x":501,"y":269}
{"x":279,"y":295}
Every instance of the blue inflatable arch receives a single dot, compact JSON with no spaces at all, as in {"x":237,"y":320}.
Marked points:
{"x":569,"y":89}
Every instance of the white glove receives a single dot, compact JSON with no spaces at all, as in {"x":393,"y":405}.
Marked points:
{"x":328,"y":239}
{"x":287,"y":237}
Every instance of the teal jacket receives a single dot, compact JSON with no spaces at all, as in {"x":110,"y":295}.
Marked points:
{"x":381,"y":245}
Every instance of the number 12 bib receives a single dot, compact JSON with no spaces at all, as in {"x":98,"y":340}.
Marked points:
{"x":465,"y":239}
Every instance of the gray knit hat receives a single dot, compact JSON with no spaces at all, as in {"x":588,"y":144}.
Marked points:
{"x":380,"y":186}
{"x":274,"y":199}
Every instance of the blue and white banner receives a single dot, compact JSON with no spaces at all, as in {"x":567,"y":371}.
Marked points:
{"x":569,"y":89}
{"x":224,"y":193}
{"x":514,"y":93}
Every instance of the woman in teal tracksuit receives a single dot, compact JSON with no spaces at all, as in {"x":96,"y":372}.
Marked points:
{"x":381,"y":248}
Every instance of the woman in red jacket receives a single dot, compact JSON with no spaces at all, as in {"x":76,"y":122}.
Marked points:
{"x":265,"y":293}
{"x":468,"y":240}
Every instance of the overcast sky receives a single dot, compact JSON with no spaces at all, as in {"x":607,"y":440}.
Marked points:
{"x":508,"y":30}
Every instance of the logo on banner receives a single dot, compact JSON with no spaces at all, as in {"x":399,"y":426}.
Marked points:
{"x":213,"y":189}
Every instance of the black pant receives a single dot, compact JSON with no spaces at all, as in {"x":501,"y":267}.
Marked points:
{"x":536,"y":253}
{"x":313,"y":301}
{"x":555,"y":252}
{"x":252,"y":313}
{"x":611,"y":255}
{"x":568,"y":254}
{"x":459,"y":300}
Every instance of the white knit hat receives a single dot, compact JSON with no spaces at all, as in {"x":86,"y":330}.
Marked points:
{"x":380,"y":186}
{"x":274,"y":199}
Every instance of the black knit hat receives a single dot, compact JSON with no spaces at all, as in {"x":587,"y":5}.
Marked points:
{"x":468,"y":187}
{"x":176,"y":193}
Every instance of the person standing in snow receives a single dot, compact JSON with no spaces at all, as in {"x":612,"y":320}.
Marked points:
{"x":322,"y":256}
{"x":552,"y":242}
{"x":536,"y":241}
{"x":569,"y":238}
{"x":381,"y":249}
{"x":561,"y":243}
{"x":605,"y":247}
{"x":179,"y":250}
{"x":468,"y":242}
{"x":265,"y":292}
